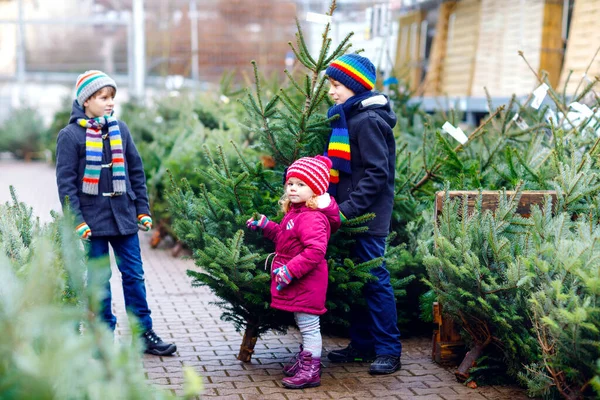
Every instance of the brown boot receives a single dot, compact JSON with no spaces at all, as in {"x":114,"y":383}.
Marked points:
{"x":308,"y":374}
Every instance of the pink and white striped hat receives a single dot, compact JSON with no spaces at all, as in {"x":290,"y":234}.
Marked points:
{"x":314,"y":171}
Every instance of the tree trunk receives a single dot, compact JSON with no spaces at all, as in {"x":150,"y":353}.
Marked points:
{"x":462,"y":373}
{"x":248,"y":343}
{"x":157,"y":236}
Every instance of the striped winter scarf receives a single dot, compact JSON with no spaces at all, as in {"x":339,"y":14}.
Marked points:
{"x":338,"y":149}
{"x":93,"y":154}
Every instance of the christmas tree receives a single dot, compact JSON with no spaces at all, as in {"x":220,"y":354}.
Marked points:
{"x":53,"y":345}
{"x":283,"y":125}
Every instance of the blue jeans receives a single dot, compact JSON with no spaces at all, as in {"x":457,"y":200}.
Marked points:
{"x":375,"y":327}
{"x":129,"y":261}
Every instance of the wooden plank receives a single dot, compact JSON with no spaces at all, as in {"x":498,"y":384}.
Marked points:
{"x":584,"y":39}
{"x":490,"y":199}
{"x":433,"y":79}
{"x":408,"y":57}
{"x":552,"y":54}
{"x":463,"y":31}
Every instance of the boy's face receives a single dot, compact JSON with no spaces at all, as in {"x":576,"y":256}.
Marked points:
{"x":100,"y":104}
{"x":298,"y":191}
{"x":338,"y":92}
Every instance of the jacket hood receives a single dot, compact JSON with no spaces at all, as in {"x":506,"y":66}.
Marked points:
{"x":77,"y":112}
{"x":326,"y":206}
{"x":329,"y":208}
{"x":380,"y":104}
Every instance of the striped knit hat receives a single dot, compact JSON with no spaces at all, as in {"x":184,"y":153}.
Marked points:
{"x":314,"y":171}
{"x":89,"y":83}
{"x":355,"y":72}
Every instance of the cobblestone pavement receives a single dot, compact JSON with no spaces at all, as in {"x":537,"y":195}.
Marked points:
{"x":186,"y":316}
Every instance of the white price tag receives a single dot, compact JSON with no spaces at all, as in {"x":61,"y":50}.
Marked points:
{"x":456,"y":133}
{"x":582,"y":109}
{"x":520,"y":121}
{"x":539,"y":95}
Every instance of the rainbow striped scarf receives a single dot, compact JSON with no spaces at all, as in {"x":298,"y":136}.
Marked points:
{"x":338,"y":149}
{"x":93,"y":154}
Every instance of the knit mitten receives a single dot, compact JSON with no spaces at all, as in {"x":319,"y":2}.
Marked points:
{"x":83,"y":230}
{"x":282,"y":277}
{"x":258,"y":223}
{"x":144,"y":222}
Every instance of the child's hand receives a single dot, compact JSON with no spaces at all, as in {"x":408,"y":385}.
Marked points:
{"x":144,"y":222}
{"x":255,"y":224}
{"x":83,"y":230}
{"x":282,"y":277}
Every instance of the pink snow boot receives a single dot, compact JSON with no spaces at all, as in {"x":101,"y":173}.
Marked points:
{"x":308,"y":374}
{"x":293,"y":365}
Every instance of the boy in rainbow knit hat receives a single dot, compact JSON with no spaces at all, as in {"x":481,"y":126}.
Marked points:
{"x":100,"y":171}
{"x":362,"y":149}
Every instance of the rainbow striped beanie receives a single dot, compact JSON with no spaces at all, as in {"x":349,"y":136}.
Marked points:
{"x":89,"y":83}
{"x":355,"y":72}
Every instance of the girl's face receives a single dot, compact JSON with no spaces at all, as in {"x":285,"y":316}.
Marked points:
{"x":338,"y":92}
{"x":298,"y":191}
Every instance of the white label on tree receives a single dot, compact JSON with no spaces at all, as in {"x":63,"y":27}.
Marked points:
{"x":582,"y":109}
{"x":520,"y":121}
{"x":539,"y":95}
{"x":456,"y":133}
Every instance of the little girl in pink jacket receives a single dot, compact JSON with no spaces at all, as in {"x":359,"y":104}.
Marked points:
{"x":299,"y":269}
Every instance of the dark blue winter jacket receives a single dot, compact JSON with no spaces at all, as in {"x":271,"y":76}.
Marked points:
{"x":370,"y":187}
{"x":106,"y":216}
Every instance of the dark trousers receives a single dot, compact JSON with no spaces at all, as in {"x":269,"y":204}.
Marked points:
{"x":375,"y":327}
{"x":129,"y":260}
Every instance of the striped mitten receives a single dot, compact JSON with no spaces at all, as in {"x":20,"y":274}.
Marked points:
{"x":83,"y":230}
{"x":144,"y":222}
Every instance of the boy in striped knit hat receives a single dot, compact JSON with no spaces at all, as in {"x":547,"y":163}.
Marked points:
{"x":362,"y":149}
{"x":100,"y":171}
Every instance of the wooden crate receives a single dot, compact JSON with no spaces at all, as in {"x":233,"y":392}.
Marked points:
{"x":447,"y":345}
{"x":584,"y":40}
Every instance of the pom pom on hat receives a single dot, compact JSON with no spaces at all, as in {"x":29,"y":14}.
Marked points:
{"x":355,"y":72}
{"x":314,"y":171}
{"x":89,"y":83}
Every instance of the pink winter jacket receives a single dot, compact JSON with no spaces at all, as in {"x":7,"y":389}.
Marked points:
{"x":300,"y":243}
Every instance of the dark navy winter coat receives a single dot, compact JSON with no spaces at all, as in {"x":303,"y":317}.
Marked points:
{"x":106,"y":216}
{"x":370,"y":187}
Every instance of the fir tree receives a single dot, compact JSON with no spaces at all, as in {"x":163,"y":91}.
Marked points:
{"x":210,"y":218}
{"x":53,"y":346}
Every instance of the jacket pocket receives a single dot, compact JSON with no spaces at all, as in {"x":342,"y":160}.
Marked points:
{"x":132,"y":195}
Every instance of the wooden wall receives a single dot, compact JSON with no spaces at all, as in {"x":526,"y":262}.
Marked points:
{"x":463,"y":31}
{"x":505,"y":28}
{"x":584,"y":40}
{"x":476,"y":46}
{"x":434,"y":79}
{"x":408,"y":52}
